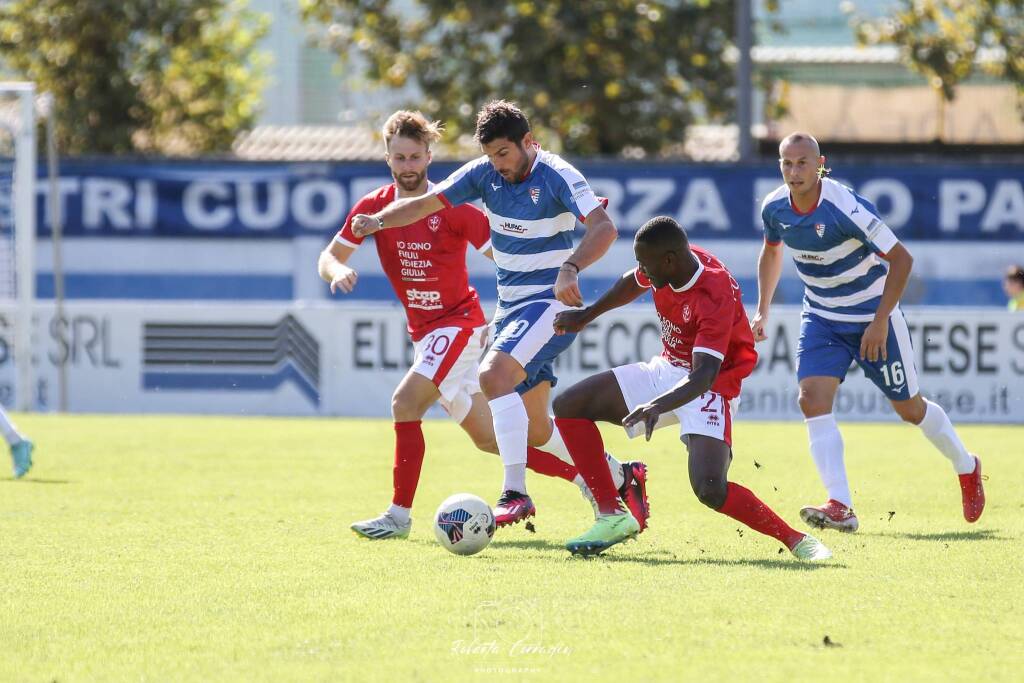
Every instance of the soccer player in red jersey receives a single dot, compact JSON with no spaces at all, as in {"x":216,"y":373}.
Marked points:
{"x":708,"y":351}
{"x":426,"y":265}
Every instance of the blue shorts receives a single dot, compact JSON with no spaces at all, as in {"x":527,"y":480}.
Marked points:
{"x":828,"y":347}
{"x":528,"y":335}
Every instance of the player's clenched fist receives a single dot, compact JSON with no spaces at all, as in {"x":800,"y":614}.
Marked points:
{"x":758,"y":325}
{"x":344,"y":280}
{"x":363,"y":225}
{"x":567,"y":288}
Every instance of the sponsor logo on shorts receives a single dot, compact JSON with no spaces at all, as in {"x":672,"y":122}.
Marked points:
{"x":424,"y":300}
{"x":714,"y":420}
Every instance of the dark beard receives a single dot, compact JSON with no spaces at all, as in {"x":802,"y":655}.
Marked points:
{"x":410,"y":186}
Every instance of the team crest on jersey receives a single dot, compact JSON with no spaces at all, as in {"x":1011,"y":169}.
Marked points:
{"x":434,"y":223}
{"x":820,"y":229}
{"x":535,"y":194}
{"x":686,"y":313}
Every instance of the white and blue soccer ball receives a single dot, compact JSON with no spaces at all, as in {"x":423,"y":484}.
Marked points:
{"x":464,"y":524}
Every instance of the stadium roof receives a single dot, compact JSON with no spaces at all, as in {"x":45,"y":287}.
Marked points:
{"x":849,"y":54}
{"x":707,"y":143}
{"x":329,"y":143}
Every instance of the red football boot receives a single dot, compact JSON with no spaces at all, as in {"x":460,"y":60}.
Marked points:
{"x":831,"y":515}
{"x":973,"y":492}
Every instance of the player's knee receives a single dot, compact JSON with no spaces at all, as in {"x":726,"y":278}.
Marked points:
{"x":812,"y":405}
{"x":911,"y":411}
{"x":403,"y":408}
{"x":711,"y":491}
{"x":563,"y":406}
{"x":494,"y":383}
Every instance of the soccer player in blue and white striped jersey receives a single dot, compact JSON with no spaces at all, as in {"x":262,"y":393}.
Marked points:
{"x":533,"y":200}
{"x":854,"y":271}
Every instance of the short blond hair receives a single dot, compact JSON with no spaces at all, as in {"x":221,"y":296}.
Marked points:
{"x":412,"y":124}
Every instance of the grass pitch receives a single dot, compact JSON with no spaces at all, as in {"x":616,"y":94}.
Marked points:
{"x":179,"y":548}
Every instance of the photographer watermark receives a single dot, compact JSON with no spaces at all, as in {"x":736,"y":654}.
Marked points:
{"x":508,"y":629}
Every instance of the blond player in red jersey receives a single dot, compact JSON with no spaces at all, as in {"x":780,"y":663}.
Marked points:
{"x":708,"y":351}
{"x":425,"y":263}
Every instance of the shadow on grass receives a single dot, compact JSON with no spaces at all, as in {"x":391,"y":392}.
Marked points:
{"x":529,"y":544}
{"x":972,"y":535}
{"x":787,"y":564}
{"x":662,"y":557}
{"x":38,"y":481}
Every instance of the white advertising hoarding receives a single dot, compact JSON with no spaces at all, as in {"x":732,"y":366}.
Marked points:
{"x":338,"y":359}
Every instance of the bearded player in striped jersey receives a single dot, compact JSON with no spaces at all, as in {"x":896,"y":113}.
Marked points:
{"x":854,"y":271}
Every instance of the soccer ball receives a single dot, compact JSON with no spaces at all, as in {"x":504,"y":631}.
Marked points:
{"x":464,"y":524}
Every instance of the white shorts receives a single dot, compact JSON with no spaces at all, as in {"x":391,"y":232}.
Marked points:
{"x":449,"y":357}
{"x":710,"y":414}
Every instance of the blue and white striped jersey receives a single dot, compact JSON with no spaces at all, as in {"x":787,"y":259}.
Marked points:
{"x":835,"y":247}
{"x":531,"y":221}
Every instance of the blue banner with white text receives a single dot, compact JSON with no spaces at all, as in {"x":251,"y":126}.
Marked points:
{"x":285,"y":200}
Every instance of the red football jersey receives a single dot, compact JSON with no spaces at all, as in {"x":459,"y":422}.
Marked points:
{"x":706,"y":315}
{"x":426,"y":262}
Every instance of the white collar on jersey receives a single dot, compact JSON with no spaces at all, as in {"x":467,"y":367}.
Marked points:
{"x":693,"y":280}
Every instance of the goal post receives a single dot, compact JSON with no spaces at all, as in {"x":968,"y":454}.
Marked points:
{"x":18,"y":171}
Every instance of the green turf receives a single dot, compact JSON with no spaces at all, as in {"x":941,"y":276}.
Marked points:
{"x":173,"y":548}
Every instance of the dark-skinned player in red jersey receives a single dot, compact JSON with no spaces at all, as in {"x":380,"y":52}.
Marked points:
{"x":708,"y":351}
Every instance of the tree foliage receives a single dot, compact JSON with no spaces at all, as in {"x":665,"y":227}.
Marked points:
{"x":174,"y":77}
{"x":599,"y":76}
{"x":941,"y":39}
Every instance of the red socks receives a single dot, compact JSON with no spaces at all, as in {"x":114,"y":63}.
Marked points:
{"x":585,"y":445}
{"x":549,"y":465}
{"x":409,"y":449}
{"x":742,"y":505}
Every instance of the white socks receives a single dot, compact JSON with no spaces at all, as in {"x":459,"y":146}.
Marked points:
{"x":615,"y":467}
{"x":827,"y":451}
{"x":11,"y":435}
{"x":939,"y":430}
{"x":510,"y":424}
{"x":400,"y":513}
{"x":556,"y":446}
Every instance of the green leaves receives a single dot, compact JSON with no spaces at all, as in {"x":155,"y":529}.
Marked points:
{"x":596,"y":78}
{"x":129,"y":76}
{"x":942,"y":39}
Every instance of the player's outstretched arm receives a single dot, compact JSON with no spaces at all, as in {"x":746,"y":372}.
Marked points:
{"x":601,"y":234}
{"x":333,"y":267}
{"x":625,"y":290}
{"x":397,"y":214}
{"x":701,"y":378}
{"x":769,"y":270}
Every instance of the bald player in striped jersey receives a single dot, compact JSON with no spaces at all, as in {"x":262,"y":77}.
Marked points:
{"x":854,"y":271}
